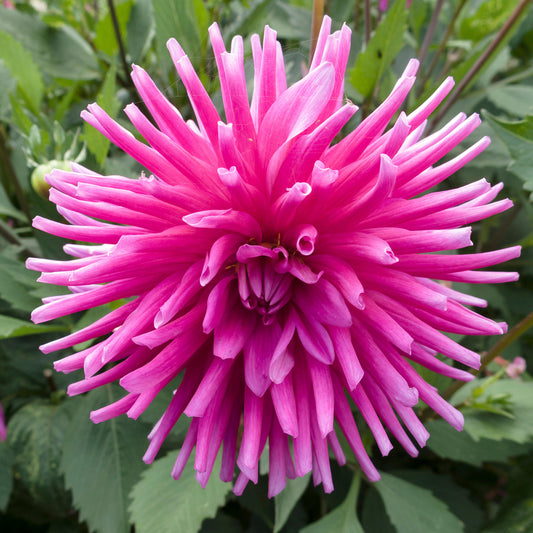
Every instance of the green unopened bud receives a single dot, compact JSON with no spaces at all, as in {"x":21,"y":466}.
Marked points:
{"x":37,"y":177}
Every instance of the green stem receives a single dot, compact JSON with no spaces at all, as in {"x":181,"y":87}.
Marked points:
{"x":118,"y":37}
{"x":318,"y":15}
{"x":496,"y":350}
{"x":476,"y":67}
{"x":441,"y":47}
{"x":430,"y":32}
{"x":367,"y":20}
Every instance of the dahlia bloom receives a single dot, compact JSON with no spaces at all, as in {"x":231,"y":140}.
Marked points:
{"x":270,"y":271}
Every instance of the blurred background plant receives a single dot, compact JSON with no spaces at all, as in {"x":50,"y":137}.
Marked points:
{"x":59,"y":473}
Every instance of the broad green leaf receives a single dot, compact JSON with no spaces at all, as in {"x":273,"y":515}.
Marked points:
{"x":448,"y":443}
{"x":102,"y":462}
{"x":411,"y":508}
{"x":287,"y":499}
{"x":6,"y":474}
{"x":35,"y":434}
{"x":515,"y":99}
{"x":382,"y":49}
{"x":184,"y":20}
{"x":518,"y":137}
{"x":140,"y":30}
{"x":516,"y":425}
{"x":444,"y":488}
{"x":488,"y":18}
{"x":105,"y":39}
{"x":98,"y":144}
{"x":13,"y":327}
{"x":60,"y":52}
{"x":162,"y":504}
{"x":342,"y":519}
{"x":23,"y":69}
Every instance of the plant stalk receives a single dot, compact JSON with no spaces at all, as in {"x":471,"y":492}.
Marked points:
{"x":442,"y":46}
{"x":316,"y":22}
{"x":496,"y":350}
{"x":509,"y":23}
{"x":367,"y":20}
{"x":118,"y":37}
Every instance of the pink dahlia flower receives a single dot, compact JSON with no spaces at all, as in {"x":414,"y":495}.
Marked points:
{"x":272,"y":272}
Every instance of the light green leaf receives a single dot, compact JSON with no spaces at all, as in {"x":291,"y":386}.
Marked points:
{"x":102,"y":462}
{"x":342,"y":519}
{"x":515,"y":99}
{"x":287,"y":499}
{"x":6,"y":474}
{"x":162,"y":504}
{"x":382,"y":49}
{"x":105,"y":39}
{"x":60,"y":52}
{"x":97,"y":144}
{"x":13,"y":327}
{"x":489,"y":17}
{"x":411,"y":508}
{"x":23,"y":69}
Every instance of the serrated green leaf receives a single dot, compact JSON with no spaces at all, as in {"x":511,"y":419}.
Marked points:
{"x":102,"y":462}
{"x":342,"y":519}
{"x":6,"y":474}
{"x":97,"y":144}
{"x":105,"y":39}
{"x":60,"y":52}
{"x":287,"y":499}
{"x":23,"y":69}
{"x":448,"y":443}
{"x":13,"y":327}
{"x":411,"y":508}
{"x":162,"y":504}
{"x":35,"y":434}
{"x":518,"y":137}
{"x":381,"y":50}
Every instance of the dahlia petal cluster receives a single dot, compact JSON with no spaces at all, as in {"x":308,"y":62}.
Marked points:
{"x":270,"y":271}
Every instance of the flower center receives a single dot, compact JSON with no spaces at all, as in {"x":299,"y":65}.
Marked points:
{"x":264,"y":281}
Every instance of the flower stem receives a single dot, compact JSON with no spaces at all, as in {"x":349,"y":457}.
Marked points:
{"x":442,"y":46}
{"x":118,"y":37}
{"x":430,"y":32}
{"x":318,"y":15}
{"x":367,"y":20}
{"x":496,"y":350}
{"x":481,"y":60}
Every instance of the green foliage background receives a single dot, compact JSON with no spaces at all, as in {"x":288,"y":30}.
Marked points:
{"x":59,"y":473}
